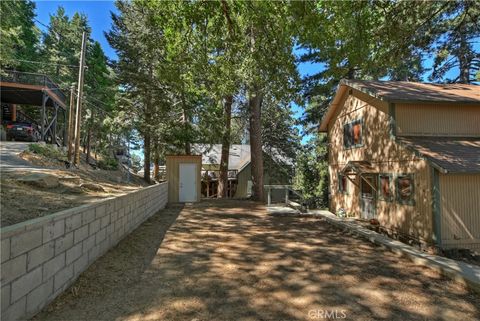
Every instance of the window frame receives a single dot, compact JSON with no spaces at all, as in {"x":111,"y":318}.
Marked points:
{"x":340,"y":188}
{"x":381,"y":197}
{"x":352,"y":123}
{"x":410,"y":201}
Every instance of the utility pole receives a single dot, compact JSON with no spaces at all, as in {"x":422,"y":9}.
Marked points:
{"x":81,"y":74}
{"x":71,"y":125}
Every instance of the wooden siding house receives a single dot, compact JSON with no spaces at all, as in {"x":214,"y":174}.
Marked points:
{"x":408,"y":154}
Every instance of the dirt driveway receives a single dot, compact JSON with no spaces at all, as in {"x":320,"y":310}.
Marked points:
{"x":230,"y":260}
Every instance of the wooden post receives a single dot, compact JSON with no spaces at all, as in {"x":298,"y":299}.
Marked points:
{"x":81,"y":74}
{"x":42,"y":117}
{"x":208,"y":185}
{"x":14,"y":112}
{"x":269,"y":196}
{"x":286,"y":195}
{"x":71,"y":125}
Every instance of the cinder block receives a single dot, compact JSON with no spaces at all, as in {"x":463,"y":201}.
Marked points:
{"x":100,"y":236}
{"x":26,"y":283}
{"x":40,"y":255}
{"x":5,"y":296}
{"x":39,"y":297}
{"x":88,"y":216}
{"x":73,"y":222}
{"x":63,"y":276}
{"x":13,"y":268}
{"x":93,"y":254}
{"x":100,"y":211}
{"x":63,"y":243}
{"x":53,"y":230}
{"x":53,"y":266}
{"x":80,"y":264}
{"x":80,"y":234}
{"x":26,"y":241}
{"x":89,"y":243}
{"x":94,"y":227}
{"x":104,"y":221}
{"x":5,"y":249}
{"x":16,"y":311}
{"x":73,"y":253}
{"x":110,"y":229}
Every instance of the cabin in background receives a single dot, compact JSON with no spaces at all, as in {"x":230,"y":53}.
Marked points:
{"x":408,"y":155}
{"x":277,"y":170}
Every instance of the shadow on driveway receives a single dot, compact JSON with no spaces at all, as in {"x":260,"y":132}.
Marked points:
{"x":229,"y":260}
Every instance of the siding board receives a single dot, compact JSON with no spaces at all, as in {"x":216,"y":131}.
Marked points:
{"x":438,"y":119}
{"x":460,"y":211}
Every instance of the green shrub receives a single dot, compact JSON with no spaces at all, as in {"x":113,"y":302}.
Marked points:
{"x":109,"y":164}
{"x":47,"y":150}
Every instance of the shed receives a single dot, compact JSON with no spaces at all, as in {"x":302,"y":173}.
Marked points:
{"x":184,"y":178}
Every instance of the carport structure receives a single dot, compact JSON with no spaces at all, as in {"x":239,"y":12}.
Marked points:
{"x":22,"y":88}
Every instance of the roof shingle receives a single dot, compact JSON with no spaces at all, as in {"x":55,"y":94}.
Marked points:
{"x":405,"y":91}
{"x":452,"y":154}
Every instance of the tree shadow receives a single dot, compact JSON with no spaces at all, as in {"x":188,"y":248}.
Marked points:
{"x":232,"y":261}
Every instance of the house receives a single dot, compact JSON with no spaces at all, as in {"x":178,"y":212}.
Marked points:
{"x":278,"y":169}
{"x":408,"y":154}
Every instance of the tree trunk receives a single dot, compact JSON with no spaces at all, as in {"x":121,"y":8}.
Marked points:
{"x":146,"y":157}
{"x":223,"y":177}
{"x":254,"y":109}
{"x":89,"y":134}
{"x":186,"y":121}
{"x":156,"y":162}
{"x":463,"y":61}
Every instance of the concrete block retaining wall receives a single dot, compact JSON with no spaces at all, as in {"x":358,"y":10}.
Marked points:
{"x":40,"y":258}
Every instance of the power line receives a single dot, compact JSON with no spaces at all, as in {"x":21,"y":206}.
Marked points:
{"x":45,"y":63}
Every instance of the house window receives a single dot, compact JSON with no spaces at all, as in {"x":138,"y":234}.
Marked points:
{"x":385,"y":191}
{"x":352,"y":134}
{"x":342,"y":183}
{"x":404,"y":189}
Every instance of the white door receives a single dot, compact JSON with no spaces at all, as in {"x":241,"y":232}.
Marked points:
{"x":188,"y":183}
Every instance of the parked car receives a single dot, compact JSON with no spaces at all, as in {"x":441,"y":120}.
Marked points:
{"x":23,"y":131}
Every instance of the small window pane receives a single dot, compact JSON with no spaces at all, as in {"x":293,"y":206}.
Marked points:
{"x":385,"y":187}
{"x":405,"y":189}
{"x":352,"y":134}
{"x":357,"y":134}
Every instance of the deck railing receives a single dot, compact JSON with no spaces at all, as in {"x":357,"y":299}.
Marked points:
{"x":288,"y":189}
{"x":29,"y":78}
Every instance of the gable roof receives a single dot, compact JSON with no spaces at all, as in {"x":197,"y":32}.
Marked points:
{"x":239,"y":155}
{"x":448,"y":154}
{"x":405,"y":92}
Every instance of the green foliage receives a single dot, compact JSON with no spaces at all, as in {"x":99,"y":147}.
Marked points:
{"x":136,"y":163}
{"x":47,"y":150}
{"x":19,"y":37}
{"x":457,"y":30}
{"x":108,"y":163}
{"x":312,"y":172}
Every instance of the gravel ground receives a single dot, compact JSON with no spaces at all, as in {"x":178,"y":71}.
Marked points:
{"x":230,"y":260}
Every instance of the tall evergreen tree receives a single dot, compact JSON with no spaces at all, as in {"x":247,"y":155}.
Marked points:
{"x":19,"y":37}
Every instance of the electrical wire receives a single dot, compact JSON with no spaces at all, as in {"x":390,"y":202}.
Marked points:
{"x":46,"y":63}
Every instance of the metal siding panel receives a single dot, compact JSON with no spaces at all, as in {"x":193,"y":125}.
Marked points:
{"x":438,"y":119}
{"x":460,"y":199}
